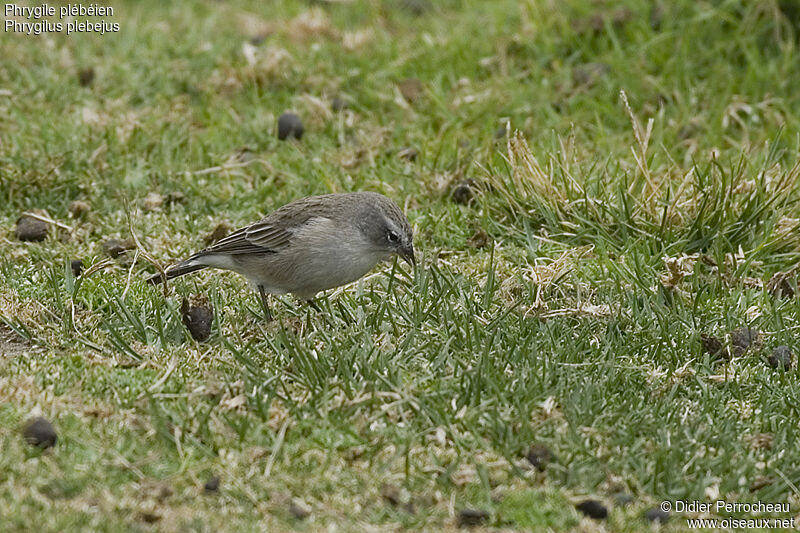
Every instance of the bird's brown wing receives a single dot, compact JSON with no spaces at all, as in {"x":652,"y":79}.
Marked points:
{"x":256,"y":238}
{"x":271,"y":233}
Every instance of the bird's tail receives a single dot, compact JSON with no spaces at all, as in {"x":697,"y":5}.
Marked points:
{"x":184,"y":267}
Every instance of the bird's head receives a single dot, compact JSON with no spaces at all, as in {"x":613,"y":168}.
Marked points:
{"x":387,"y":227}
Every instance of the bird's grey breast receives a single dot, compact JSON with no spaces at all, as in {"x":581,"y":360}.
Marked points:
{"x":326,"y":253}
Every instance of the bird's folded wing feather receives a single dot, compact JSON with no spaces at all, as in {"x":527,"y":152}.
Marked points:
{"x":270,"y":234}
{"x":256,"y":238}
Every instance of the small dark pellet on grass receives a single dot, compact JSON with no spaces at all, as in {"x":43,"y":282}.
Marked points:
{"x":713,"y":346}
{"x":31,"y":229}
{"x":593,"y":509}
{"x":463,"y":192}
{"x":212,"y":485}
{"x":77,"y":267}
{"x":472,"y":517}
{"x":198,"y":319}
{"x":657,"y":515}
{"x":781,"y":357}
{"x":744,"y":339}
{"x":40,"y":432}
{"x":290,"y":126}
{"x":538,"y":456}
{"x":86,"y":76}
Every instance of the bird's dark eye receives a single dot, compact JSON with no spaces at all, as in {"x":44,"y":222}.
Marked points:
{"x":393,"y":237}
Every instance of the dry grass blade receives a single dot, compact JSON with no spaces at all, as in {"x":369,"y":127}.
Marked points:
{"x":528,"y":180}
{"x":140,"y":249}
{"x":230,"y":166}
{"x":642,"y":136}
{"x":43,"y":218}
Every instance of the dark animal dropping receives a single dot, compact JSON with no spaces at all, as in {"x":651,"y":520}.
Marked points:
{"x":744,"y":339}
{"x":472,"y":517}
{"x":40,"y":432}
{"x":713,"y":346}
{"x":198,"y":320}
{"x":464,"y":191}
{"x":212,"y":485}
{"x":31,"y":229}
{"x":538,"y":456}
{"x":290,"y":126}
{"x":593,"y":509}
{"x":86,"y":76}
{"x":781,"y":357}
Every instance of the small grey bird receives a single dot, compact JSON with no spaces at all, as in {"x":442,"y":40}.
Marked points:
{"x":309,"y":245}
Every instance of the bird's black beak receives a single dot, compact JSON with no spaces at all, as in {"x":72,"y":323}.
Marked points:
{"x":407,"y":255}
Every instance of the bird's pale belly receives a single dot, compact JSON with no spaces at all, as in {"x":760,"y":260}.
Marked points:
{"x":334,"y":269}
{"x":305,"y":273}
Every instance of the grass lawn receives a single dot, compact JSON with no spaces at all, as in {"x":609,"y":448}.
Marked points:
{"x":603,"y":195}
